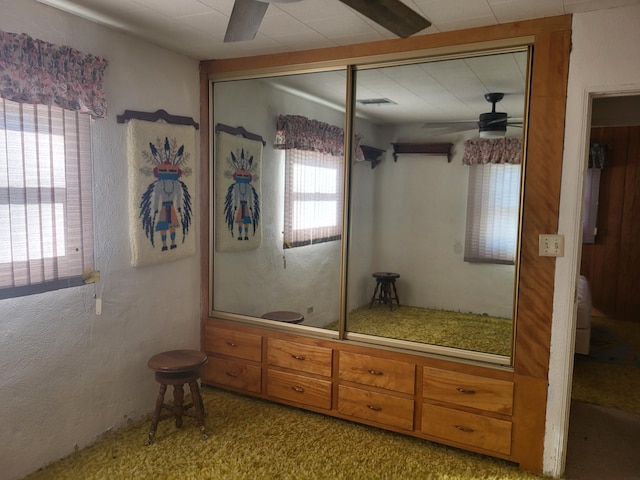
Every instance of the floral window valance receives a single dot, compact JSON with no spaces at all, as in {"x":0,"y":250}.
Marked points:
{"x":38,"y":72}
{"x":496,"y":150}
{"x":301,"y":133}
{"x":598,"y":155}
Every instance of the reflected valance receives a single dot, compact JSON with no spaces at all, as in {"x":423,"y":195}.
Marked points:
{"x":301,"y":133}
{"x":496,"y":150}
{"x":38,"y":72}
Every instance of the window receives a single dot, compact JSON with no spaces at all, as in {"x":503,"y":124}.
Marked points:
{"x":46,"y":239}
{"x":313,"y":197}
{"x":493,"y":205}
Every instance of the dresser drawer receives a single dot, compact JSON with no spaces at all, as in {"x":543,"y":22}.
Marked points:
{"x":232,"y":374}
{"x":471,"y":391}
{"x":299,"y":388}
{"x":234,"y":344}
{"x":378,"y":372}
{"x":467,"y":428}
{"x":377,"y":407}
{"x":298,"y":356}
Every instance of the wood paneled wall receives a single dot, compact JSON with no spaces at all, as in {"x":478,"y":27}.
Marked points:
{"x":612,"y":263}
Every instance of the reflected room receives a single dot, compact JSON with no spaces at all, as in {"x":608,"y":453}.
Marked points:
{"x":403,"y":233}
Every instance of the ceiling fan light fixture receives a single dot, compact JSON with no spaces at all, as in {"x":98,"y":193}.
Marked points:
{"x":489,"y":134}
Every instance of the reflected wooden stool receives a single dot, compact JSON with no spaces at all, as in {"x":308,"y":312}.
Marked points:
{"x":176,"y":368}
{"x":284,"y":316}
{"x":385,"y":290}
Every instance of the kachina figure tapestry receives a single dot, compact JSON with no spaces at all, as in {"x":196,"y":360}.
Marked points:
{"x":161,"y":189}
{"x":238,"y":169}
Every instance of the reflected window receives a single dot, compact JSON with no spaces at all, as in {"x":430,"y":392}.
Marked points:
{"x":313,"y":198}
{"x":492,"y":213}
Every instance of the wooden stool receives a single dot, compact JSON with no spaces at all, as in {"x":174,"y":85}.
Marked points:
{"x":385,"y":283}
{"x":284,"y":316}
{"x":176,"y":368}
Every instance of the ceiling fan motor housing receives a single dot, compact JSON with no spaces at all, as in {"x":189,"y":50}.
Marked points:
{"x":493,"y":122}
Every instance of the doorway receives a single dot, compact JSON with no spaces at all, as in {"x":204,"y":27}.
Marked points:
{"x":604,"y":427}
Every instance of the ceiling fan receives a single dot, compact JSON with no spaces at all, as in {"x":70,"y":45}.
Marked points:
{"x":393,"y":15}
{"x":490,"y":125}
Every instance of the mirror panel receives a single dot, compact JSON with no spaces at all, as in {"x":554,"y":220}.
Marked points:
{"x":259,"y":275}
{"x":406,"y":216}
{"x":409,"y":216}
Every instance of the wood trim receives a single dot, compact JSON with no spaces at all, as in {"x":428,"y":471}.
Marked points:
{"x":205,"y":200}
{"x":411,"y":45}
{"x":529,"y":414}
{"x":543,"y":169}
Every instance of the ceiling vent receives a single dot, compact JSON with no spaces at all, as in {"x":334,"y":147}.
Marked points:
{"x":376,"y":101}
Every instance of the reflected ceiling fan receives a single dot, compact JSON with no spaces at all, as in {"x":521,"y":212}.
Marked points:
{"x":393,"y":15}
{"x":490,"y":125}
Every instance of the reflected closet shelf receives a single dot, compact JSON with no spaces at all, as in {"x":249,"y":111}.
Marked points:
{"x":439,"y":149}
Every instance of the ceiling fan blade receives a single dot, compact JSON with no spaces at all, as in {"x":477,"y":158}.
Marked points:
{"x":393,"y":15}
{"x":245,"y":20}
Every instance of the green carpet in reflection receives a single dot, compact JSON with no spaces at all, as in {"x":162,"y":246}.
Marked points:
{"x":468,"y":331}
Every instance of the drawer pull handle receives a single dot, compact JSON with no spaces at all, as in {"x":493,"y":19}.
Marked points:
{"x":231,"y":344}
{"x":375,"y":372}
{"x":298,"y":357}
{"x":464,"y":429}
{"x":297,"y":389}
{"x":374,"y":408}
{"x":231,"y":374}
{"x":466,"y":390}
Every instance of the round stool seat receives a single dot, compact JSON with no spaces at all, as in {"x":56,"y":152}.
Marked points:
{"x":385,"y":276}
{"x":284,"y":316}
{"x":177,"y":368}
{"x":177,"y":361}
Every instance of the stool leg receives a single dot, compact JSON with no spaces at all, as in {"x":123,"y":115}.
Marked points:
{"x":156,"y":414}
{"x":178,"y":404}
{"x":199,"y":406}
{"x":396,"y":293}
{"x":375,"y":292}
{"x":387,"y":295}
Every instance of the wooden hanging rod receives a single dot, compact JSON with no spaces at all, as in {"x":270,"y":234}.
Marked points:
{"x":221,"y":127}
{"x":155,"y":116}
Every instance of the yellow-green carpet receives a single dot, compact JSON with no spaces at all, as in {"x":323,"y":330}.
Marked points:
{"x":609,"y":384}
{"x":468,"y":331}
{"x":254,"y":439}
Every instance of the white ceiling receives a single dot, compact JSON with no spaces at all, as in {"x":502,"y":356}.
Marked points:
{"x":436,"y":92}
{"x":196,"y":27}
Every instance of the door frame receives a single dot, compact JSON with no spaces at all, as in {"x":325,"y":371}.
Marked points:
{"x":575,"y":163}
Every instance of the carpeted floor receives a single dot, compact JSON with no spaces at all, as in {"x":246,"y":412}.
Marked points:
{"x":254,"y":439}
{"x":468,"y":331}
{"x":610,"y":375}
{"x":603,"y":443}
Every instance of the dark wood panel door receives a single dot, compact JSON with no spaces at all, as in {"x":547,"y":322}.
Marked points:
{"x":612,"y":263}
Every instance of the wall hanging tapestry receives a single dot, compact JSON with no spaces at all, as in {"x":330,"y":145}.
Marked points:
{"x":238,"y":195}
{"x":161,"y":191}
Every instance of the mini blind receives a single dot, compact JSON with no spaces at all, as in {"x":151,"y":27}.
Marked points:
{"x":493,"y":201}
{"x":46,"y":194}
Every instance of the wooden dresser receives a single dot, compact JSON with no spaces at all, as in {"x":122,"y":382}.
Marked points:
{"x":450,"y":402}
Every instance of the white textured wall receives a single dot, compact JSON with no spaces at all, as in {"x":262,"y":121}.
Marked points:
{"x":66,"y":374}
{"x":605,"y":59}
{"x":427,"y":249}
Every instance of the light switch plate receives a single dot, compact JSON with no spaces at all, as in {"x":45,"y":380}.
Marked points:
{"x":551,"y":245}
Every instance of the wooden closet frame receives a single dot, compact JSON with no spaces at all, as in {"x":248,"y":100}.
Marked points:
{"x":551,"y":39}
